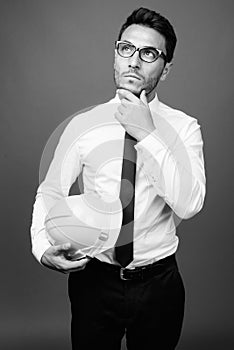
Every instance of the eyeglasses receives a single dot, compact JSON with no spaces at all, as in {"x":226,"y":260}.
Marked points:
{"x":146,"y":53}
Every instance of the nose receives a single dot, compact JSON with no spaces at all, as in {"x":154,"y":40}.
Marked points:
{"x":134,"y":61}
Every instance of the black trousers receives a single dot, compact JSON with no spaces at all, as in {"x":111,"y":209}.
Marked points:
{"x":149,"y":310}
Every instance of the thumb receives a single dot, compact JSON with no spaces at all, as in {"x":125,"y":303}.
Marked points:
{"x":143,"y":97}
{"x":63,"y":247}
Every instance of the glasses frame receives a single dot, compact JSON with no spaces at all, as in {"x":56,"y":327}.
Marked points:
{"x":161,"y":53}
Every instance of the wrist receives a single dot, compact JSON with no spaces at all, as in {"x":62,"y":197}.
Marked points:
{"x":144,"y":133}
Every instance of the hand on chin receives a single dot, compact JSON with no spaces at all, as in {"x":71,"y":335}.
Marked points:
{"x":135,"y":91}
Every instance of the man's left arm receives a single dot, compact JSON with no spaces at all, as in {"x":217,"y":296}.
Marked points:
{"x":172,"y":158}
{"x":176,"y":168}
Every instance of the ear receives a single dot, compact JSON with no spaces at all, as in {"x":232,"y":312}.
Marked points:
{"x":166,"y":71}
{"x":115,"y":58}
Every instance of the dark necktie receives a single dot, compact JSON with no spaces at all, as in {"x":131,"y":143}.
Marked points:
{"x":124,"y":244}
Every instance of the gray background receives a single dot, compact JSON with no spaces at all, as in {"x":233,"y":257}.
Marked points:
{"x":56,"y":58}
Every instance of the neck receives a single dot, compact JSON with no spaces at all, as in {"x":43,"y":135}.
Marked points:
{"x":151,"y":95}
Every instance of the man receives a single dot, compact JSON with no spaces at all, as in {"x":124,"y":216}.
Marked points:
{"x":143,"y":298}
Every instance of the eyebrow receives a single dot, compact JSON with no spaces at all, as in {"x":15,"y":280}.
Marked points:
{"x":127,"y":41}
{"x":146,"y":46}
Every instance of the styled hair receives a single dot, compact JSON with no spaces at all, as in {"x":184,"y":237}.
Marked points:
{"x":154,"y":20}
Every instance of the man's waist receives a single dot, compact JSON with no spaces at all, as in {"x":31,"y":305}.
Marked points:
{"x":144,"y":256}
{"x":137,"y":273}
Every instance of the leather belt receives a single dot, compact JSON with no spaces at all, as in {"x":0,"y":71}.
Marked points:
{"x":138,"y":273}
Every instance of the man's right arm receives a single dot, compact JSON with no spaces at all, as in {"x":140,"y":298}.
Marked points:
{"x":63,"y":171}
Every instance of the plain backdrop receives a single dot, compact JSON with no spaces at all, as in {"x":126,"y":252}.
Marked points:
{"x":56,"y":58}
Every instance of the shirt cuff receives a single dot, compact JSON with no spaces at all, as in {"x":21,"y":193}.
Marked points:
{"x":39,"y":245}
{"x":152,"y":145}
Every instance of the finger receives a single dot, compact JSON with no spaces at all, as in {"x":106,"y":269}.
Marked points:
{"x":118,"y":116}
{"x":75,"y":269}
{"x":121,"y":109}
{"x":62,"y":248}
{"x":128,"y":95}
{"x":73,"y":264}
{"x":143,"y":97}
{"x":125,"y":102}
{"x":79,"y":263}
{"x":74,"y":255}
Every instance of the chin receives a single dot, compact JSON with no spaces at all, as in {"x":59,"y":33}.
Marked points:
{"x":136,"y":91}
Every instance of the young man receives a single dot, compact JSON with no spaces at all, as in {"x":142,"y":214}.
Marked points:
{"x":142,"y":295}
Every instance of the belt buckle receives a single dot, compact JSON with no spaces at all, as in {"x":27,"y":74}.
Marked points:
{"x":122,"y":274}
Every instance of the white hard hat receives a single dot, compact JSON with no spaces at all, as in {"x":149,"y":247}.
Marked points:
{"x":90,"y":222}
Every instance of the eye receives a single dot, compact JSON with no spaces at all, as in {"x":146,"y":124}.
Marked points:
{"x":150,"y":54}
{"x":126,"y":48}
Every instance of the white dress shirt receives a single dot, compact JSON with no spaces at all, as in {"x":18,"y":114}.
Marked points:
{"x":170,"y":175}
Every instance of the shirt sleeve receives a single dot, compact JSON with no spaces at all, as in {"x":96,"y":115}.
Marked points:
{"x":173,"y":162}
{"x":64,"y":169}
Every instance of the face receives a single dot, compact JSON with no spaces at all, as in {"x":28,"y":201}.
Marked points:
{"x":147,"y":75}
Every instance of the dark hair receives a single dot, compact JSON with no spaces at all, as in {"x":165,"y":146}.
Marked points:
{"x":154,"y":20}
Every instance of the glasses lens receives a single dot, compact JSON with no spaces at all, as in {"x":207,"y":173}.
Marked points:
{"x":149,"y":54}
{"x":125,"y":49}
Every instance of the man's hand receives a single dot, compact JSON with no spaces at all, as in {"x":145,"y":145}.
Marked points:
{"x":57,"y":258}
{"x":134,"y":114}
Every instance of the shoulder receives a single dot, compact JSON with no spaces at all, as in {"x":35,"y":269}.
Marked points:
{"x":175,"y":125}
{"x":176,"y":115}
{"x":100,"y":112}
{"x":183,"y":123}
{"x":90,"y":117}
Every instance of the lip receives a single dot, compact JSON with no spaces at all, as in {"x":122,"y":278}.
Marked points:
{"x":132,"y":76}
